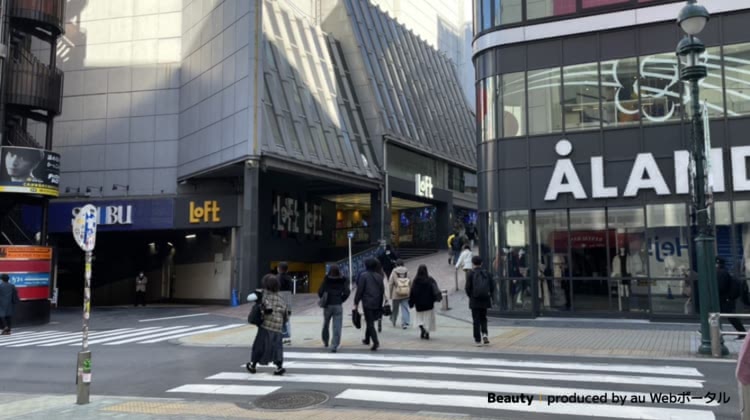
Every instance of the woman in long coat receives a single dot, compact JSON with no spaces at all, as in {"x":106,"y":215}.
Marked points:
{"x":424,"y":294}
{"x":268,"y":347}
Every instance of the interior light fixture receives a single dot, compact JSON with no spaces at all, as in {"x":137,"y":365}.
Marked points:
{"x":191,"y":236}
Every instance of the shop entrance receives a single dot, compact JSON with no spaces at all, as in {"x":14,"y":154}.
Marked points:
{"x":180,"y":266}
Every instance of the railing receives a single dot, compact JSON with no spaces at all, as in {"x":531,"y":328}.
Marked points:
{"x":50,"y":13}
{"x":32,"y":83}
{"x":17,"y":136}
{"x":714,"y":323}
{"x":358,"y":262}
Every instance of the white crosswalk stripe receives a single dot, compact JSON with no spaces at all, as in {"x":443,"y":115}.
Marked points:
{"x":457,"y":384}
{"x":145,"y":335}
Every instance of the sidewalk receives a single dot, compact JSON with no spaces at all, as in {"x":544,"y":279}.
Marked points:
{"x":603,"y":337}
{"x":63,"y":407}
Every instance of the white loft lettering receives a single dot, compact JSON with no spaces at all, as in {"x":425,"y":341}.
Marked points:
{"x":423,"y":185}
{"x":645,"y":174}
{"x":111,"y":215}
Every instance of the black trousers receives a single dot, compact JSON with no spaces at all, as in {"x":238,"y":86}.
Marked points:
{"x":479,"y":316}
{"x":371,"y":334}
{"x":140,"y":297}
{"x":6,"y":323}
{"x":737,"y":324}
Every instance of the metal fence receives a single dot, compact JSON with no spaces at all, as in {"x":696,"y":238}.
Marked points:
{"x":714,"y":322}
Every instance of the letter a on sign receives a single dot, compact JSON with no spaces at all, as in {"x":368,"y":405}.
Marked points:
{"x":84,"y":227}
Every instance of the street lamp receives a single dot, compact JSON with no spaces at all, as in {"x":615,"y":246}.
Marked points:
{"x":692,"y":19}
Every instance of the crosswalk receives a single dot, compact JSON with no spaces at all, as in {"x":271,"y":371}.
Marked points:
{"x":456,"y":384}
{"x":147,"y":335}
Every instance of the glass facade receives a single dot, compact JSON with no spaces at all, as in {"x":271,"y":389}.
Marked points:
{"x":612,"y":93}
{"x":489,"y":14}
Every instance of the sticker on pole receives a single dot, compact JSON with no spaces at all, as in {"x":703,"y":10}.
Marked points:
{"x":84,"y":227}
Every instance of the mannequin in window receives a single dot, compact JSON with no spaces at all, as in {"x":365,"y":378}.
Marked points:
{"x":560,"y":271}
{"x":620,"y":272}
{"x":543,"y":285}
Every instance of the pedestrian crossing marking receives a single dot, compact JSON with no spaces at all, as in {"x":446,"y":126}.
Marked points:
{"x":145,"y":335}
{"x":225,"y":389}
{"x":428,"y":383}
{"x":502,"y":373}
{"x":487,"y":362}
{"x":473,"y":402}
{"x":460,"y":384}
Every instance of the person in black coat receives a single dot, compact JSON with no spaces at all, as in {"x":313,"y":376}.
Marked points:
{"x":424,"y":294}
{"x":479,"y":304}
{"x":727,"y":303}
{"x":370,"y":291}
{"x":387,"y":258}
{"x":336,"y":288}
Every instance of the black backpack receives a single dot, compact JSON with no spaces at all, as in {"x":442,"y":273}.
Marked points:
{"x":480,"y":285}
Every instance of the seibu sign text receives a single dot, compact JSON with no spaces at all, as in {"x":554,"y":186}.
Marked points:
{"x":111,"y":215}
{"x":644,"y":175}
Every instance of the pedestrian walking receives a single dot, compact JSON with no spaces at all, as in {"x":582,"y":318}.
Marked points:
{"x":370,"y":291}
{"x":286,"y":285}
{"x":334,"y":291}
{"x":456,"y":244}
{"x":464,"y":262}
{"x":387,"y":258}
{"x":8,"y":300}
{"x":450,"y":247}
{"x":424,"y":294}
{"x":729,"y":290}
{"x":480,"y":288}
{"x":399,"y":288}
{"x":140,"y":289}
{"x":268,"y":346}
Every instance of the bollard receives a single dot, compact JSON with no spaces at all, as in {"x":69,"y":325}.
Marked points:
{"x":444,"y":306}
{"x":715,"y":328}
{"x":83,"y":377}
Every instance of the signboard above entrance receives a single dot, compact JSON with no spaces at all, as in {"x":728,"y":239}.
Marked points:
{"x":205,"y":211}
{"x":423,"y":185}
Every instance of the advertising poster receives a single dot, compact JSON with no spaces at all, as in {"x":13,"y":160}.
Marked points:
{"x":29,"y":269}
{"x":29,"y":171}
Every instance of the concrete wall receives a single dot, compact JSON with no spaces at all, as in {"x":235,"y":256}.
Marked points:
{"x":216,"y":88}
{"x":120,"y":108}
{"x":203,"y":281}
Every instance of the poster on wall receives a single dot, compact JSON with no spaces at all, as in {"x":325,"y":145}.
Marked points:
{"x":28,"y":268}
{"x":292,"y":217}
{"x":29,"y":171}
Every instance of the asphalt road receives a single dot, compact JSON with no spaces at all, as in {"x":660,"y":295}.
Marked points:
{"x":437,"y":382}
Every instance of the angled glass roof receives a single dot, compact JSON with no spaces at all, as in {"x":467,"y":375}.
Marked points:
{"x":310,"y":108}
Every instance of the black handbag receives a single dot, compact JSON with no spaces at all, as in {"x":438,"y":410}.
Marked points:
{"x":356,"y":319}
{"x":255,"y":316}
{"x":323,"y":301}
{"x":387,"y":309}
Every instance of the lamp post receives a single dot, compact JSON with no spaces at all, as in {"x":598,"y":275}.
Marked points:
{"x":692,"y":19}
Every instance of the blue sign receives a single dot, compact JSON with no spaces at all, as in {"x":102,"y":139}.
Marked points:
{"x":115,"y":215}
{"x":29,"y":279}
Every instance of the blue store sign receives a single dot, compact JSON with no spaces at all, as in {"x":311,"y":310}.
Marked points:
{"x":116,"y":215}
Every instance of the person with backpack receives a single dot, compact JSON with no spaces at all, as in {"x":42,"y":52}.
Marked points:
{"x":424,"y":293}
{"x":267,"y":346}
{"x":480,"y":288}
{"x":335,"y":288}
{"x":399,"y":288}
{"x":8,"y":300}
{"x":729,"y":290}
{"x":456,"y":243}
{"x":450,"y":247}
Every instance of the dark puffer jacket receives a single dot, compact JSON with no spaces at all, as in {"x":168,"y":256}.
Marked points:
{"x":337,"y":289}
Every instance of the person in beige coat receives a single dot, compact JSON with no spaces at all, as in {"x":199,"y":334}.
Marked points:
{"x":399,"y":287}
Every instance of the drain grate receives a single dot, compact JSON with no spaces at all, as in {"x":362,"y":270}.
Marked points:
{"x":290,"y":400}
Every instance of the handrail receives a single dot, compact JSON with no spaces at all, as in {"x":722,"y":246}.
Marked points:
{"x":714,"y":323}
{"x":358,"y":261}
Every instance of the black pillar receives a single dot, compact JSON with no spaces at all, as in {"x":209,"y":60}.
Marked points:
{"x":248,"y":255}
{"x":376,"y":220}
{"x":444,"y":223}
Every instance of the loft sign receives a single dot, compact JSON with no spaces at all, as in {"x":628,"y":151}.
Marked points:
{"x":423,"y":185}
{"x":111,"y":215}
{"x":644,"y":175}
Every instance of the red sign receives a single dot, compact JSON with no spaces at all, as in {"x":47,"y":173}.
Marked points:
{"x":29,"y":268}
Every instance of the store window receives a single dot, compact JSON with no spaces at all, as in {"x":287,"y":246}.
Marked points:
{"x":545,"y":109}
{"x":552,"y":240}
{"x":660,"y":88}
{"x":721,"y":217}
{"x":581,"y":96}
{"x":538,"y":9}
{"x":737,"y":73}
{"x":513,"y":118}
{"x":627,"y":256}
{"x":742,"y":229}
{"x":512,"y":262}
{"x":619,"y":89}
{"x":668,"y":257}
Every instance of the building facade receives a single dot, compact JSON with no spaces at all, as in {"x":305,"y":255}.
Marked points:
{"x":218,"y":138}
{"x":582,"y":101}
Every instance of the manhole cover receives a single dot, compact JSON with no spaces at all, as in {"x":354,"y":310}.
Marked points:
{"x":290,"y":400}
